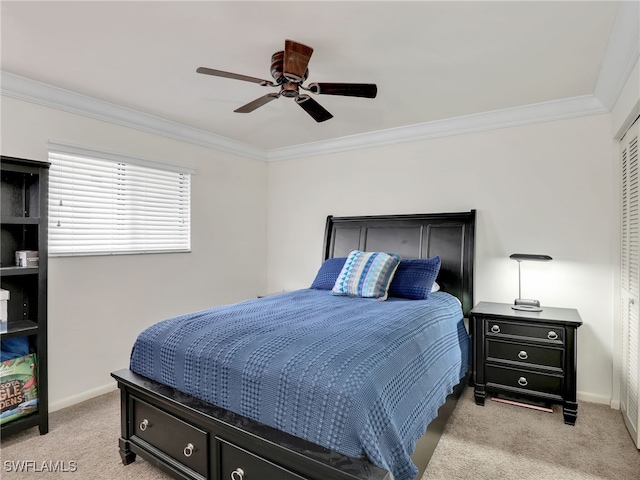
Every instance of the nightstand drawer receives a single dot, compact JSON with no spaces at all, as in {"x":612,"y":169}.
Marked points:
{"x":544,"y":357}
{"x":525,"y":330}
{"x":524,"y":380}
{"x":172,"y":436}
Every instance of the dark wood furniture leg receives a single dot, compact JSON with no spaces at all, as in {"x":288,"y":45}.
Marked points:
{"x":570,"y":412}
{"x":570,"y":405}
{"x":126,"y":454}
{"x":125,"y":451}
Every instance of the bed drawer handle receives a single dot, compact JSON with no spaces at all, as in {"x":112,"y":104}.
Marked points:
{"x":188,"y":450}
{"x":237,"y":474}
{"x":552,"y":335}
{"x":523,"y":355}
{"x":495,"y":329}
{"x":522,"y":382}
{"x":144,"y":424}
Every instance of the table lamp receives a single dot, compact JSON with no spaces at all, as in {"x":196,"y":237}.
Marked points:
{"x":520,"y":303}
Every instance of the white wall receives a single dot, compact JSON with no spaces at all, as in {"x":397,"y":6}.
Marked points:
{"x":98,"y":305}
{"x":543,"y":188}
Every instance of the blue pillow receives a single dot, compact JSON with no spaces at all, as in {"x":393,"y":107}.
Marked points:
{"x":366,"y":274}
{"x":328,"y":273}
{"x":414,"y":278}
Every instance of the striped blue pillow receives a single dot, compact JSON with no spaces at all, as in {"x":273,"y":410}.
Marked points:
{"x":366,"y":274}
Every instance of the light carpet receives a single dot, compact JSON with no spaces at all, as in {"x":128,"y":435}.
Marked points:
{"x":496,"y":441}
{"x":500,"y":441}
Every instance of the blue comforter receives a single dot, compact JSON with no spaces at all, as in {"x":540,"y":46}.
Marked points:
{"x":355,"y":375}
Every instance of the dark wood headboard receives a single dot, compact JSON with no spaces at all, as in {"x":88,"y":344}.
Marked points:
{"x":448,"y":235}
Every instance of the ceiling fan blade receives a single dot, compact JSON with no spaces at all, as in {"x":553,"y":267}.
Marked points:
{"x":366,"y":90}
{"x":235,"y":76}
{"x":296,"y":60}
{"x":258,"y":102}
{"x":313,"y":108}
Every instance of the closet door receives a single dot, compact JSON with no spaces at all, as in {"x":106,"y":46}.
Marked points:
{"x":630,"y":282}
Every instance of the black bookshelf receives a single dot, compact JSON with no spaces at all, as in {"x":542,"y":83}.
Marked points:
{"x":23,"y":215}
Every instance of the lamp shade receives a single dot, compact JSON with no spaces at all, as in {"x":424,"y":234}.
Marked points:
{"x":529,"y":257}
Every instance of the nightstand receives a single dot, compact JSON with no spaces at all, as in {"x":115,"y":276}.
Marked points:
{"x":531,"y":355}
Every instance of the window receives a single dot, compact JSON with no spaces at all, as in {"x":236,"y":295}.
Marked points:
{"x":103,"y":203}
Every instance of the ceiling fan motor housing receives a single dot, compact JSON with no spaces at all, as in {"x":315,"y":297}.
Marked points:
{"x":277,"y":69}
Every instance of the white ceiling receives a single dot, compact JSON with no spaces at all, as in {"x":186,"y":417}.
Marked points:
{"x":430,"y":60}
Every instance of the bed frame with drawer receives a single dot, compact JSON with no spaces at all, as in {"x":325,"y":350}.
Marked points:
{"x":191,"y":439}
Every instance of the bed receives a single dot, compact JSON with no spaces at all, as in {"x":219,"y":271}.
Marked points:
{"x":299,"y":385}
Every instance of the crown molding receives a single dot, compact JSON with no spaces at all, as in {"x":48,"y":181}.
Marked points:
{"x":621,"y":55}
{"x":511,"y":117}
{"x":29,"y":90}
{"x":48,"y":95}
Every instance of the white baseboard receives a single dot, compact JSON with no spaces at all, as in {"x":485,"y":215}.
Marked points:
{"x":590,"y":397}
{"x":81,"y":397}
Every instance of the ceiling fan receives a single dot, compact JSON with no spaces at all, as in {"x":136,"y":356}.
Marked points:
{"x":289,"y":70}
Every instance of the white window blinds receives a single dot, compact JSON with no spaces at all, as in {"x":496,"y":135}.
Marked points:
{"x":116,"y":205}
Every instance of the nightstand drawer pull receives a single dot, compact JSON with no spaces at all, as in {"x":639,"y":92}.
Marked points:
{"x":144,"y":424}
{"x":495,"y":329}
{"x":552,"y":335}
{"x":237,"y":474}
{"x":522,"y":382}
{"x":188,"y":450}
{"x":523,"y":355}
